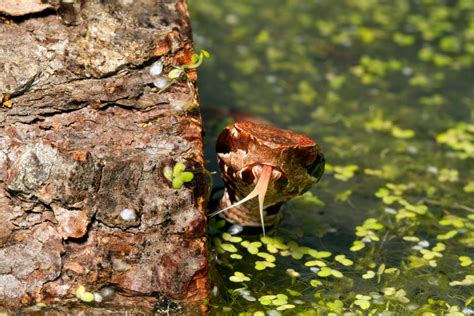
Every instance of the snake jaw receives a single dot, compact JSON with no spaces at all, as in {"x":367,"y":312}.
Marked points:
{"x":264,"y":173}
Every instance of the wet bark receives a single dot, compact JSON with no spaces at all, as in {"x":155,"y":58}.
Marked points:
{"x":84,"y":139}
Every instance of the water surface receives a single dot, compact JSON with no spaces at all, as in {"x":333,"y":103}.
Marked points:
{"x":386,"y":88}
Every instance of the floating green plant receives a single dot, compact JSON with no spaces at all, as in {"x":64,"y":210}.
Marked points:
{"x":343,"y":173}
{"x":239,"y":277}
{"x":459,"y":138}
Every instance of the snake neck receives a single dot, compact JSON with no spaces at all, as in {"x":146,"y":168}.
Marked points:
{"x":247,"y":214}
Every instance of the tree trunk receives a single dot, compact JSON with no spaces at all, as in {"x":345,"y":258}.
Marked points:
{"x":85,"y":138}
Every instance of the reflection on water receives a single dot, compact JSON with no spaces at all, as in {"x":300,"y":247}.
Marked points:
{"x":386,"y":88}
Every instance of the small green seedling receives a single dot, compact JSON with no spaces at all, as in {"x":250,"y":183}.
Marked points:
{"x":83,"y":295}
{"x":177,"y":175}
{"x":196,"y":61}
{"x":180,"y":71}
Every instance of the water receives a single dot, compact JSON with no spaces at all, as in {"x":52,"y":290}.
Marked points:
{"x":386,"y":88}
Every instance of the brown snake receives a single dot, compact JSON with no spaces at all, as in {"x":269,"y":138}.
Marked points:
{"x":258,"y":160}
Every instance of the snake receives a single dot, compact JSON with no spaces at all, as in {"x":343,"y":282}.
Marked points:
{"x":261,"y":161}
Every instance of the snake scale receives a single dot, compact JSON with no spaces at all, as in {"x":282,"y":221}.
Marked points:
{"x":259,"y":160}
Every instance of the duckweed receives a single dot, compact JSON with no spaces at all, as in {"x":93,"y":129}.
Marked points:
{"x":239,"y":277}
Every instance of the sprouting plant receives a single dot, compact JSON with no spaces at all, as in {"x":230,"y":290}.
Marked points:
{"x":177,"y":175}
{"x":83,"y":295}
{"x":196,"y":61}
{"x":163,"y":82}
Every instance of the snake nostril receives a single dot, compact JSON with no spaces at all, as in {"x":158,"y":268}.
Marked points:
{"x":316,"y":169}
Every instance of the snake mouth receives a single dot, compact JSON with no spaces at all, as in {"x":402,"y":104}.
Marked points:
{"x":251,"y":173}
{"x":264,"y":174}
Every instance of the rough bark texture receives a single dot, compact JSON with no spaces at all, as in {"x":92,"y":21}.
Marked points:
{"x":84,"y":137}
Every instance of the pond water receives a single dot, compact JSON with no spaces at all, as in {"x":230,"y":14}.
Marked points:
{"x":386,"y":89}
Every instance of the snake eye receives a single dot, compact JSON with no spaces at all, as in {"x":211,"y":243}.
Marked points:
{"x":316,"y":169}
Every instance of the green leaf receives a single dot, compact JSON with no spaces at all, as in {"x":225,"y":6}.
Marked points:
{"x":382,"y":192}
{"x":336,"y":274}
{"x":268,"y":257}
{"x":278,"y":302}
{"x":272,"y":249}
{"x":205,"y":53}
{"x":285,"y":307}
{"x":239,"y":277}
{"x":276,"y":242}
{"x":83,"y":295}
{"x":319,"y":254}
{"x":391,"y":270}
{"x":229,"y":237}
{"x":403,"y":39}
{"x":313,"y":263}
{"x":411,"y":238}
{"x":175,"y":73}
{"x":324,"y":272}
{"x":397,"y":132}
{"x":362,"y":304}
{"x":186,"y":176}
{"x":266,"y":299}
{"x":315,"y":283}
{"x":343,"y":260}
{"x":228,"y":247}
{"x":439,"y":247}
{"x":469,"y":187}
{"x":178,"y":169}
{"x":195,"y":58}
{"x":262,"y":265}
{"x":448,"y":235}
{"x":335,"y":306}
{"x":309,"y":198}
{"x":420,"y":209}
{"x":293,"y":292}
{"x":357,"y":245}
{"x":297,"y":254}
{"x":87,"y":297}
{"x":177,"y":183}
{"x":368,"y":275}
{"x":80,"y":290}
{"x":465,"y":261}
{"x":252,"y":248}
{"x":372,"y":223}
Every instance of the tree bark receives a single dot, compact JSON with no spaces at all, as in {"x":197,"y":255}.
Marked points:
{"x":84,"y":139}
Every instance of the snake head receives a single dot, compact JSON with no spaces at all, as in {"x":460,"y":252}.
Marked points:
{"x":261,"y":161}
{"x":296,"y":159}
